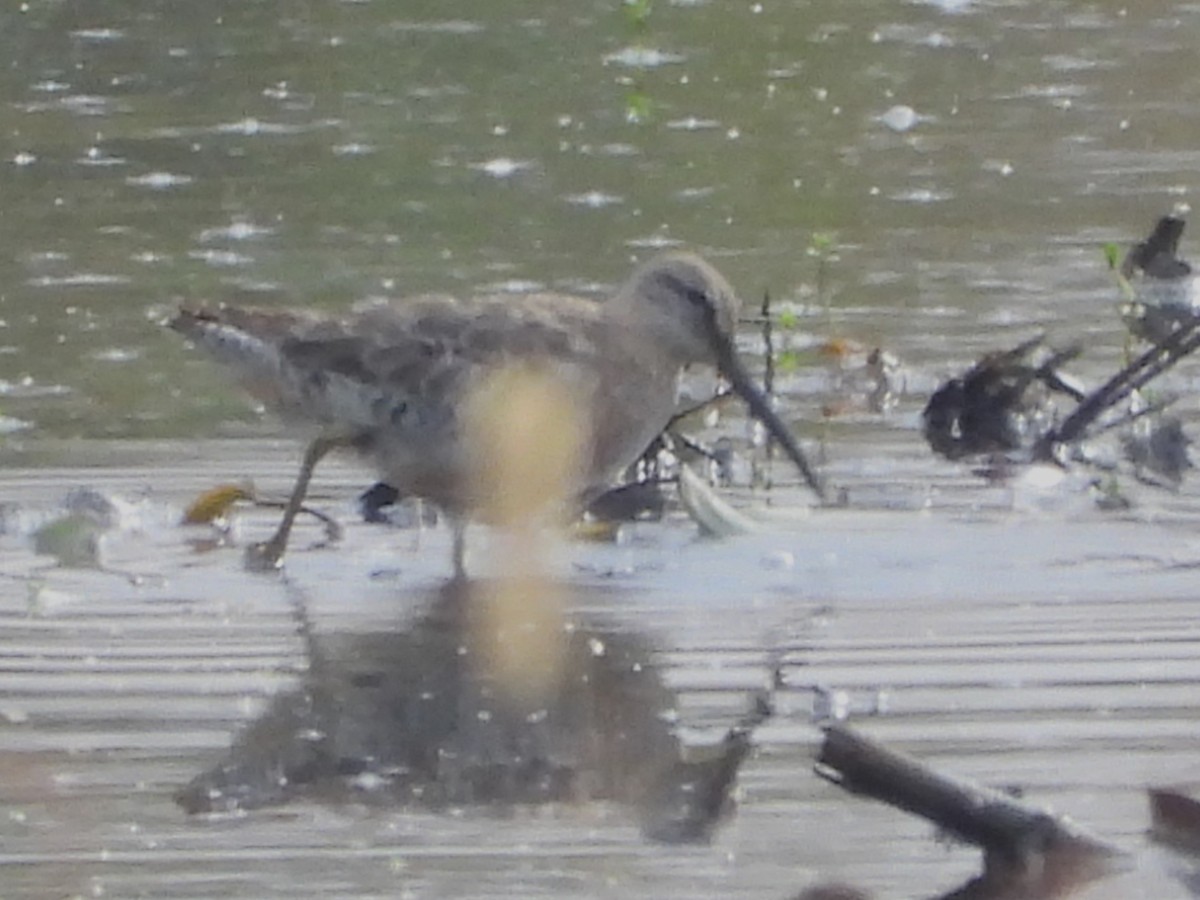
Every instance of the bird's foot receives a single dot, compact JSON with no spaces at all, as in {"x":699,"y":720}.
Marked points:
{"x":264,"y":557}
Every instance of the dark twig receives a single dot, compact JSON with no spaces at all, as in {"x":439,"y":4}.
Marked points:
{"x":1175,"y":817}
{"x":1017,"y":839}
{"x":702,"y":405}
{"x":1151,"y":409}
{"x":768,"y":333}
{"x":1145,"y":368}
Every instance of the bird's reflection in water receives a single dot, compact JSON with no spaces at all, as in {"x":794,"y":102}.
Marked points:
{"x":410,"y":718}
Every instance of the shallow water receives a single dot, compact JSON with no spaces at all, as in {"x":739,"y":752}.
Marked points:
{"x":1005,"y":646}
{"x":325,"y":152}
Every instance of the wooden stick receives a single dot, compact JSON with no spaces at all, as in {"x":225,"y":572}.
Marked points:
{"x":1175,"y":818}
{"x":1016,"y":838}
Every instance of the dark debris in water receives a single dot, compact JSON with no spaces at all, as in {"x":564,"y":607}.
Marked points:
{"x":1008,"y":410}
{"x":1159,"y":451}
{"x":1002,"y":404}
{"x":1017,"y":406}
{"x":375,"y":499}
{"x":1029,"y":853}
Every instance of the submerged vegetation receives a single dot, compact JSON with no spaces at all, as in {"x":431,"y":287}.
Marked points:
{"x":639,"y":106}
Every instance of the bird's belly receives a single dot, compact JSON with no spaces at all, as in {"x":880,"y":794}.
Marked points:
{"x":435,"y":464}
{"x":621,"y":433}
{"x":1170,"y":293}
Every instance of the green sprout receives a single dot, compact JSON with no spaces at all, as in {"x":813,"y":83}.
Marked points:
{"x":1110,"y":497}
{"x":821,"y":247}
{"x":788,"y":360}
{"x":637,"y":12}
{"x":1128,"y":308}
{"x":1112,"y":256}
{"x":639,"y":108}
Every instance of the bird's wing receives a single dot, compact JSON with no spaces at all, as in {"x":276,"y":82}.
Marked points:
{"x":393,"y":364}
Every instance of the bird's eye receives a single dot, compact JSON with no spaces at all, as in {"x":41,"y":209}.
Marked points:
{"x":696,"y":295}
{"x":690,"y":292}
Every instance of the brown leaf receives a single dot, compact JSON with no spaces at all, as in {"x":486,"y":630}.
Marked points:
{"x":214,"y":504}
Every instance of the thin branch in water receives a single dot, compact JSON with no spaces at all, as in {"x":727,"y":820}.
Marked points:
{"x":1148,"y":366}
{"x":768,"y":333}
{"x":1135,"y":415}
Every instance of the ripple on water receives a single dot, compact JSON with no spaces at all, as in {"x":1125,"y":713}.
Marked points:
{"x":159,"y":181}
{"x":240,"y":230}
{"x":503,"y":167}
{"x":660,"y":241}
{"x":222,"y":259}
{"x":79,"y":104}
{"x":96,"y":156}
{"x":693,"y":123}
{"x":99,"y":35}
{"x":78,"y":279}
{"x":914,"y":35}
{"x":922,"y":195}
{"x":117,"y":354}
{"x":594,"y":199}
{"x":354,"y":148}
{"x":446,"y":26}
{"x":641,"y":57}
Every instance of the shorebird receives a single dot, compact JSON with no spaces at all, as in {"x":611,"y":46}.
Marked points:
{"x":1166,"y":296}
{"x":390,"y":379}
{"x":1157,"y":256}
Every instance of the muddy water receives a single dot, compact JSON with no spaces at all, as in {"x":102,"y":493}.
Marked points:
{"x":1013,"y":647}
{"x":968,"y":160}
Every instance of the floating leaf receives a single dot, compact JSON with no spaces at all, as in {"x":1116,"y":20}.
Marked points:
{"x":839,"y":348}
{"x":595,"y":531}
{"x":214,"y":504}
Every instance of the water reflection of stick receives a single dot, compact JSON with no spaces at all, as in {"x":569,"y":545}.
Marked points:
{"x":1020,"y":842}
{"x":690,"y":799}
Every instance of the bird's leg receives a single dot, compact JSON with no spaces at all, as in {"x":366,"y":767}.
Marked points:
{"x":420,"y":529}
{"x":268,"y":555}
{"x":458,"y":523}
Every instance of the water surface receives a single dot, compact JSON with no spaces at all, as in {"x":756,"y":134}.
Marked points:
{"x":968,"y":160}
